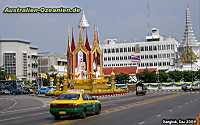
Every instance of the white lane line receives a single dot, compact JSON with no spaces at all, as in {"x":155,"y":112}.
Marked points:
{"x":170,"y":110}
{"x":26,"y":109}
{"x":180,"y":106}
{"x":158,"y":115}
{"x":15,"y":103}
{"x":141,"y":123}
{"x":19,"y":117}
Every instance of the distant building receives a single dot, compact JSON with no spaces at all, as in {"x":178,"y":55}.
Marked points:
{"x":19,"y":58}
{"x":47,"y":61}
{"x":155,"y":52}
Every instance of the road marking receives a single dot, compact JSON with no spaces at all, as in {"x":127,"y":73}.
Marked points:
{"x":20,"y":117}
{"x":158,"y":115}
{"x":170,"y":110}
{"x":13,"y":105}
{"x":180,"y":106}
{"x":26,"y":109}
{"x":128,"y":106}
{"x":141,"y":123}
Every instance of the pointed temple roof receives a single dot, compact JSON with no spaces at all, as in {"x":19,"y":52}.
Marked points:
{"x":87,"y":44}
{"x":96,"y":39}
{"x":189,"y":38}
{"x":73,"y":43}
{"x":68,"y":43}
{"x":83,"y":22}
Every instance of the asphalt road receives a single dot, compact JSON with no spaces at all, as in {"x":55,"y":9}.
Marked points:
{"x":126,"y":110}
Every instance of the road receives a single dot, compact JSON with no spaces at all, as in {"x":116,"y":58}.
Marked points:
{"x":126,"y":110}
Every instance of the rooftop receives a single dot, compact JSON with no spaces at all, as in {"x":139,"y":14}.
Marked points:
{"x":19,"y":41}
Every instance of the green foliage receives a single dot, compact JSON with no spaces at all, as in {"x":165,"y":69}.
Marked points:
{"x":2,"y":75}
{"x":163,"y":76}
{"x":122,"y":78}
{"x":177,"y":76}
{"x":147,"y":77}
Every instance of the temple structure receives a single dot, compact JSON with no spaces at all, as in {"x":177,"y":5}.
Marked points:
{"x":84,"y":62}
{"x":84,"y":70}
{"x":189,"y":47}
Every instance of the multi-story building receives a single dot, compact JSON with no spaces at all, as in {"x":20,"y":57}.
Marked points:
{"x":155,"y":52}
{"x":19,"y":58}
{"x":48,"y":61}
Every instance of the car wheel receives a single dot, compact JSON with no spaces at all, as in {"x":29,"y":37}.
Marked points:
{"x":56,"y":117}
{"x":98,"y":109}
{"x":83,"y":114}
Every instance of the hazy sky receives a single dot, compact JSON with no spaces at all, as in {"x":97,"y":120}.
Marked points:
{"x":122,"y":19}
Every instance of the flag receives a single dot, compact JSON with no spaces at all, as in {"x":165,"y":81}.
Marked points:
{"x":135,"y":58}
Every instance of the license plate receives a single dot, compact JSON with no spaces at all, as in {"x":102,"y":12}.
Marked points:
{"x":62,"y":113}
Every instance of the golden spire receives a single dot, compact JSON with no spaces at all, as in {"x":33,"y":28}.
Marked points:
{"x":80,"y":37}
{"x":68,"y":44}
{"x":95,"y":36}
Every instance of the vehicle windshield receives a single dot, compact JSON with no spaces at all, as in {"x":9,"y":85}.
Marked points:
{"x":69,"y":97}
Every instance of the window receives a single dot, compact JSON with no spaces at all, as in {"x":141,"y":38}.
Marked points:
{"x":155,"y":63}
{"x":109,"y":58}
{"x":172,"y":54}
{"x":168,"y":47}
{"x":133,"y":49}
{"x":121,"y":57}
{"x":121,"y":49}
{"x":146,"y":48}
{"x":125,"y":57}
{"x":151,"y":56}
{"x":10,"y":63}
{"x":129,"y":57}
{"x":172,"y":47}
{"x":113,"y":50}
{"x":155,"y":56}
{"x":142,"y":48}
{"x":146,"y":56}
{"x":113,"y":58}
{"x":125,"y":49}
{"x":151,"y":64}
{"x":117,"y":50}
{"x":164,"y":55}
{"x":168,"y":55}
{"x":150,"y":48}
{"x":164,"y":63}
{"x":155,"y":48}
{"x":142,"y":56}
{"x":129,"y":49}
{"x":108,"y":50}
{"x":105,"y":50}
{"x":70,"y":97}
{"x":105,"y":58}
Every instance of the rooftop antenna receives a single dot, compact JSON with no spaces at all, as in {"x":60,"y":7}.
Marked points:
{"x":148,"y":14}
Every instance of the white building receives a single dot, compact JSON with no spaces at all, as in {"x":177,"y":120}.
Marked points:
{"x":156,"y":52}
{"x":19,"y":58}
{"x":48,"y":61}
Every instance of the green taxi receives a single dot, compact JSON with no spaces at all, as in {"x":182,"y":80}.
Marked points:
{"x":74,"y":103}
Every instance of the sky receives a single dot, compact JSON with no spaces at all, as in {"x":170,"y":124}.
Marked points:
{"x":122,"y":19}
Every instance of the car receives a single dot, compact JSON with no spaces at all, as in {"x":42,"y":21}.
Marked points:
{"x":75,"y":103}
{"x":43,"y":90}
{"x":140,"y":89}
{"x":191,"y":87}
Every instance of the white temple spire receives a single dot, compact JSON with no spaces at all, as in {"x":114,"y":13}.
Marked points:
{"x":83,"y":22}
{"x":189,"y":38}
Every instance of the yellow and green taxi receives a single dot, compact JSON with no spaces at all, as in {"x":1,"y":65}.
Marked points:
{"x":74,"y":102}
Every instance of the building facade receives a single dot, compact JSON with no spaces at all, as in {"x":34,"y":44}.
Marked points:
{"x":155,"y":52}
{"x":19,"y":58}
{"x":48,"y":61}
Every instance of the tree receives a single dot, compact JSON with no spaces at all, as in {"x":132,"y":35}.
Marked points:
{"x":147,"y":77}
{"x":163,"y":76}
{"x":122,"y":78}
